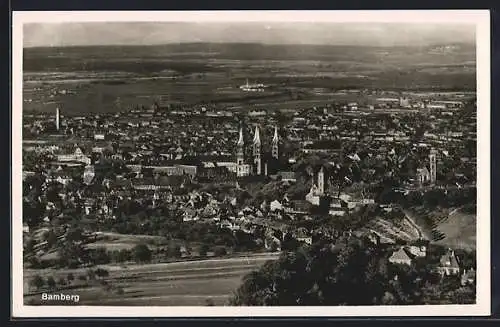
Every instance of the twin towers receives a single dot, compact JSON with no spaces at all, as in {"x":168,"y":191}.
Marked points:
{"x":255,"y":167}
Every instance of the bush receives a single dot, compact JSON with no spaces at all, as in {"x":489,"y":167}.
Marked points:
{"x":82,"y":277}
{"x":174,"y":251}
{"x":62,"y":281}
{"x":70,"y":278}
{"x":203,"y":250}
{"x":37,"y":282}
{"x":91,"y":274}
{"x":220,"y":251}
{"x":101,"y":273}
{"x":142,"y":253}
{"x":51,"y":283}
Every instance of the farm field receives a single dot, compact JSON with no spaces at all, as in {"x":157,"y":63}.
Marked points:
{"x":107,"y":79}
{"x":170,"y":284}
{"x":459,"y":230}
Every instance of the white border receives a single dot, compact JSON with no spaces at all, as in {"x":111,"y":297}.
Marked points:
{"x":480,"y":18}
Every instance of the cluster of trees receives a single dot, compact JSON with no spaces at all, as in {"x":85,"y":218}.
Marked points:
{"x":38,"y":283}
{"x":347,"y":273}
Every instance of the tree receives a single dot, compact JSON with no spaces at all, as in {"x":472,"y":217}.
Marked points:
{"x":220,"y":251}
{"x":101,"y":273}
{"x":142,"y":253}
{"x":203,"y":250}
{"x":345,"y":273}
{"x":99,"y":256}
{"x":90,"y":274}
{"x":51,"y":283}
{"x":70,"y":278}
{"x":37,"y":282}
{"x":174,"y":251}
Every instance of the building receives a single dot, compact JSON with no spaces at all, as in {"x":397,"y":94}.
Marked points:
{"x":88,"y":174}
{"x":57,"y":119}
{"x":242,"y":169}
{"x":259,"y":163}
{"x":255,"y":87}
{"x":317,"y":190}
{"x":77,"y":156}
{"x":423,"y":175}
{"x":468,"y":277}
{"x":400,"y":257}
{"x":428,"y":174}
{"x":432,"y":164}
{"x":448,"y":264}
{"x":418,"y":251}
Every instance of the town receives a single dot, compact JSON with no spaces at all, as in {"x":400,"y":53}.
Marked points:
{"x":211,"y":182}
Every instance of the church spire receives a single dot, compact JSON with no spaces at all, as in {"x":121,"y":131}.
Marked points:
{"x":240,"y":139}
{"x":256,"y":136}
{"x":257,"y":151}
{"x":275,"y":144}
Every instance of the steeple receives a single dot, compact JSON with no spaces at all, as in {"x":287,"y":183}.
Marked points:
{"x":256,"y":136}
{"x":240,"y":151}
{"x":275,"y":144}
{"x":257,"y":151}
{"x":240,"y":140}
{"x":57,"y":119}
{"x":321,"y":181}
{"x":275,"y":137}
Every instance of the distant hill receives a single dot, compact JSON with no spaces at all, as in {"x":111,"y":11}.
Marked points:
{"x":436,"y":54}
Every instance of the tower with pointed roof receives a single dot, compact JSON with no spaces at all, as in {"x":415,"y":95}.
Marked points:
{"x":240,"y":151}
{"x":432,"y":165}
{"x":242,"y":169}
{"x":275,"y":144}
{"x":57,"y":119}
{"x":321,"y":181}
{"x":257,"y":151}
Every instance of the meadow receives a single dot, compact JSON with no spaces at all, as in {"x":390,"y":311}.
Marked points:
{"x":110,"y":79}
{"x":203,"y":282}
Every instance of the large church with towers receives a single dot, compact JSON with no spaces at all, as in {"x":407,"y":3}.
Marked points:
{"x":259,"y":162}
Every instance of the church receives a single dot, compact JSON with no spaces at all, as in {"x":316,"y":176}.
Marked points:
{"x":260,"y":163}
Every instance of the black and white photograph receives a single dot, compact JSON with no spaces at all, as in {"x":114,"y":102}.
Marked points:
{"x":247,"y":163}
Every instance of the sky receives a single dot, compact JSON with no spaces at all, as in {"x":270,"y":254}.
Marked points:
{"x":137,"y":33}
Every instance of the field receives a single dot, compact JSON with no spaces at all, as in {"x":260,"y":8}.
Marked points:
{"x":450,"y":227}
{"x":109,"y":79}
{"x":459,"y":229}
{"x":170,"y":284}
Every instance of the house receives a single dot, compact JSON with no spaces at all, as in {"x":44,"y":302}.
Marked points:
{"x":423,"y":175}
{"x":468,"y":277}
{"x":287,"y":176}
{"x":400,"y":257}
{"x":449,"y":265}
{"x":275,"y":205}
{"x":418,"y":251}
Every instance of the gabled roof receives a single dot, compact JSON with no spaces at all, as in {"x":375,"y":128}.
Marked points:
{"x":400,"y":254}
{"x":449,"y":260}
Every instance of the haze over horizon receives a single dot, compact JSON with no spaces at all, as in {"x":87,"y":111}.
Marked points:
{"x":146,"y":33}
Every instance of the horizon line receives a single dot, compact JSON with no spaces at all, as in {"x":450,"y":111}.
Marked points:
{"x":431,"y":44}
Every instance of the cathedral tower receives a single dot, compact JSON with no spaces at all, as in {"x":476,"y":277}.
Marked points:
{"x":57,"y":119}
{"x":321,"y":181}
{"x":432,"y":166}
{"x":240,"y":152}
{"x":257,"y":151}
{"x":275,"y":144}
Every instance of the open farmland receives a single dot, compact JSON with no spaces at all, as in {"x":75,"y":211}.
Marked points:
{"x":109,"y":79}
{"x":180,"y":283}
{"x":459,"y":229}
